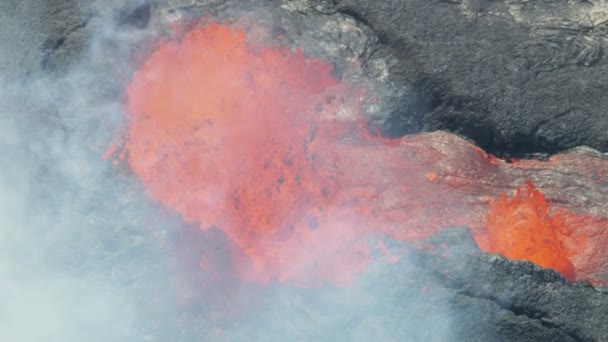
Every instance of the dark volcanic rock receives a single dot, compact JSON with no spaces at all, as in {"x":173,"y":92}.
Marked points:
{"x":518,"y":76}
{"x":40,"y":35}
{"x":502,"y":300}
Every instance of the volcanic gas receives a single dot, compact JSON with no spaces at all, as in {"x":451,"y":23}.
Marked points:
{"x":268,"y":146}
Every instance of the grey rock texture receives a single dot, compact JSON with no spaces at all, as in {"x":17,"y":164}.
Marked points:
{"x":40,"y":36}
{"x":503,"y":300}
{"x":514,"y":76}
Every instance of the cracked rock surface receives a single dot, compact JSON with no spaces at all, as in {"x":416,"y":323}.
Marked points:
{"x":514,"y":76}
{"x":517,"y":77}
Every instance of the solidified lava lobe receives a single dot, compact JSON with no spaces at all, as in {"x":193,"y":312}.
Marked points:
{"x":523,"y":228}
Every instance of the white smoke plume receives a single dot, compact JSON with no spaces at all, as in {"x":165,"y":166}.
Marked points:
{"x":85,"y":255}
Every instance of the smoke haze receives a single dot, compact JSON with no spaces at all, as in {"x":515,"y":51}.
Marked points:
{"x":86,"y":255}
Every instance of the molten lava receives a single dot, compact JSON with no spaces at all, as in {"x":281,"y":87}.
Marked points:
{"x":522,"y":228}
{"x":235,"y":137}
{"x":267,"y":146}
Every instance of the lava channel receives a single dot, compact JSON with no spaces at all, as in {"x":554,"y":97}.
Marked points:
{"x":267,"y":146}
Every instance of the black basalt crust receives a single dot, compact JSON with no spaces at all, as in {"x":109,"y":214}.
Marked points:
{"x":516,"y":77}
{"x":497,"y":299}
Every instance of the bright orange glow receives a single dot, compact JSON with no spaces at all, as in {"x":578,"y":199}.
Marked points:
{"x":523,"y":228}
{"x":266,"y":145}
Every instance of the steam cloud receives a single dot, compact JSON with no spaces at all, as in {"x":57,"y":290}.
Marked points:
{"x":80,"y":258}
{"x":86,"y":255}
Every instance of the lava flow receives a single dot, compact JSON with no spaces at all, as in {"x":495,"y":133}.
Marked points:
{"x":522,"y":228}
{"x":266,"y":145}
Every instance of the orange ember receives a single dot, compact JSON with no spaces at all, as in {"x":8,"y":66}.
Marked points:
{"x":522,"y":228}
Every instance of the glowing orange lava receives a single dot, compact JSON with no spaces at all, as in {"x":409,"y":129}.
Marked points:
{"x":266,"y":145}
{"x":522,"y":228}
